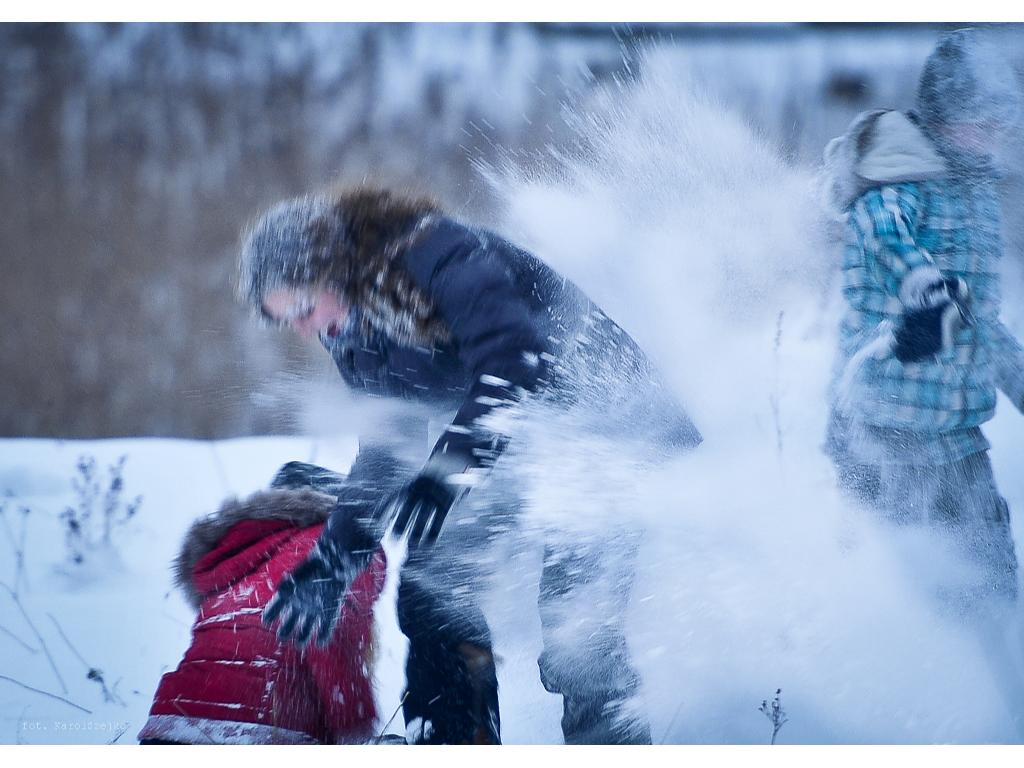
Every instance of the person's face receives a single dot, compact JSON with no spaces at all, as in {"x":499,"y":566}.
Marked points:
{"x":309,"y":312}
{"x":975,"y":138}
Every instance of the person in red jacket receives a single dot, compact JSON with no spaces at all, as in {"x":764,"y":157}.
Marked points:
{"x":237,"y":684}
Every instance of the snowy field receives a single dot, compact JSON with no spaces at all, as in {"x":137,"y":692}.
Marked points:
{"x":118,"y":611}
{"x":734,"y":602}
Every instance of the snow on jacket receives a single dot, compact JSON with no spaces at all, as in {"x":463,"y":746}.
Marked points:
{"x":236,"y":683}
{"x":906,"y":214}
{"x":515,"y":326}
{"x":456,"y":317}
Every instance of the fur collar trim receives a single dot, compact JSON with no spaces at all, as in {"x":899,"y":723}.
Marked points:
{"x":301,"y":508}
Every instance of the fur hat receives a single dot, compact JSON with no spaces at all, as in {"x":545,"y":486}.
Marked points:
{"x":967,"y":80}
{"x":349,"y":242}
{"x":290,"y":245}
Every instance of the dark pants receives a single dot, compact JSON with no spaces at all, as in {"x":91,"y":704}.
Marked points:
{"x":959,"y":497}
{"x":584,"y":591}
{"x":452,"y":694}
{"x":451,"y":684}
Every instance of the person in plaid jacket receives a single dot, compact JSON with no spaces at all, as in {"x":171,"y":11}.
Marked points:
{"x":921,"y":346}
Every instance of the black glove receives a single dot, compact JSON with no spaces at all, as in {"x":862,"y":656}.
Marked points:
{"x":308,"y":600}
{"x":421,"y":508}
{"x":930,"y":322}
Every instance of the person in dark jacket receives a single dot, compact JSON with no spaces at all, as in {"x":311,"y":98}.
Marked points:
{"x":237,"y":683}
{"x":415,"y":306}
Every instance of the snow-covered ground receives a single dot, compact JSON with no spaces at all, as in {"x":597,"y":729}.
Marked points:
{"x":119,"y":612}
{"x":734,"y":600}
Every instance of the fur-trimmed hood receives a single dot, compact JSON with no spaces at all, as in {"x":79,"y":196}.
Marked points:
{"x":880,"y":147}
{"x":350,"y":242}
{"x":968,"y":79}
{"x":299,"y":508}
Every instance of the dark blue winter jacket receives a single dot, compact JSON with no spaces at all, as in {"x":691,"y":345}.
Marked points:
{"x":517,"y":327}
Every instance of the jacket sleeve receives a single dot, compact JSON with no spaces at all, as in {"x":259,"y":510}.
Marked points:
{"x":887,"y":219}
{"x":385,"y":462}
{"x":375,"y":471}
{"x":1008,"y":359}
{"x":499,"y":342}
{"x":341,"y":672}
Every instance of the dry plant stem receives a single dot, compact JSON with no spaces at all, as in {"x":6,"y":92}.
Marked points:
{"x":18,"y":640}
{"x":7,"y":526}
{"x":775,"y":396}
{"x":39,"y":637}
{"x":93,"y":673}
{"x":221,"y":472}
{"x":19,"y":549}
{"x":19,"y":577}
{"x":775,"y":713}
{"x":672,"y":723}
{"x":202,"y":729}
{"x":74,"y":650}
{"x":393,"y":716}
{"x":174,"y":619}
{"x":46,"y":693}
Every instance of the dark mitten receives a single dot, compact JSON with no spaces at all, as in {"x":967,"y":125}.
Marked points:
{"x":421,"y":508}
{"x":935,"y":308}
{"x":308,"y":600}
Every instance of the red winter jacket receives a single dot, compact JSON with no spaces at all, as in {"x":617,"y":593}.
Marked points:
{"x":237,"y":684}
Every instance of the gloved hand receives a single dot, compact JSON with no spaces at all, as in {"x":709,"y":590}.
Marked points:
{"x":935,"y":308}
{"x":421,"y":508}
{"x":308,"y":600}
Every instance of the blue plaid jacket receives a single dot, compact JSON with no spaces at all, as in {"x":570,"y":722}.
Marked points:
{"x":934,"y":406}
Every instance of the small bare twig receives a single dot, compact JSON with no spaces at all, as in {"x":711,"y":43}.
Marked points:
{"x":120,"y":732}
{"x":221,"y":472}
{"x":774,"y":397}
{"x":18,"y":640}
{"x":775,"y":713}
{"x":198,"y":723}
{"x":109,"y":696}
{"x":77,"y":519}
{"x":92,"y":673}
{"x":3,"y":518}
{"x":87,"y":528}
{"x":74,"y":650}
{"x":45,"y":693}
{"x":672,"y":723}
{"x":115,"y":511}
{"x":393,"y":716}
{"x":39,"y":637}
{"x":19,"y":576}
{"x":17,"y":543}
{"x":174,"y":619}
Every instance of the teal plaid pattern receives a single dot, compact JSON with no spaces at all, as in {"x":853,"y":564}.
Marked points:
{"x":891,"y":230}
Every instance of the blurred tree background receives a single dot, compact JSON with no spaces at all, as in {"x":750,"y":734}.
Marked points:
{"x":132,"y":154}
